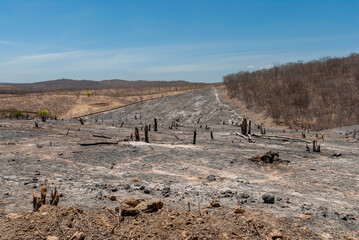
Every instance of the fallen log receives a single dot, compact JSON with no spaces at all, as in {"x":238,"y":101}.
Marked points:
{"x":281,"y":138}
{"x":286,"y":139}
{"x":101,"y":136}
{"x":98,"y":143}
{"x":248,"y":137}
{"x":176,"y":137}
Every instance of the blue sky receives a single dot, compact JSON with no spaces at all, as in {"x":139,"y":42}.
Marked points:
{"x":168,"y":40}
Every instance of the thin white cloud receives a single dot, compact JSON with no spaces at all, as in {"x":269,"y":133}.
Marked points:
{"x":176,"y":68}
{"x":189,"y":62}
{"x":210,"y":63}
{"x":51,"y":56}
{"x":76,"y":58}
{"x":196,"y":67}
{"x":7,"y":43}
{"x":42,"y":58}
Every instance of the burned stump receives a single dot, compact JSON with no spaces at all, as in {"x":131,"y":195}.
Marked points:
{"x":40,"y":201}
{"x":244,"y":126}
{"x":137,"y":134}
{"x":146,"y":134}
{"x":155,"y":124}
{"x":194,"y":136}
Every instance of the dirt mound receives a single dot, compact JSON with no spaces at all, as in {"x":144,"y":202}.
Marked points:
{"x":65,"y":222}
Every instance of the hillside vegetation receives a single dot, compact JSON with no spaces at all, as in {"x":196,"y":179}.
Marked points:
{"x":318,"y":94}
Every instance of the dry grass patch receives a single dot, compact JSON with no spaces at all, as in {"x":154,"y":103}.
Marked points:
{"x":70,"y":104}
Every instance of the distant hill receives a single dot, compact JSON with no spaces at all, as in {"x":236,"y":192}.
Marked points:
{"x":70,"y":84}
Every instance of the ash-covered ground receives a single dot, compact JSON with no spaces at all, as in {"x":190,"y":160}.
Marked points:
{"x":319,"y":190}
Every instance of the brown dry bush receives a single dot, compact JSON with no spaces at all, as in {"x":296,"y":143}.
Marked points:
{"x":318,"y":94}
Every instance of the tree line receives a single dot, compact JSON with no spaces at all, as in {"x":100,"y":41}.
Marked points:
{"x":318,"y":94}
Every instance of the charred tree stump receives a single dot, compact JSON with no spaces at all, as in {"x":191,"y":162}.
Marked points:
{"x":34,"y":201}
{"x":155,"y":124}
{"x":146,"y":134}
{"x":263,"y":130}
{"x":194,"y":136}
{"x":249,"y":126}
{"x":43,"y":194}
{"x":55,"y":197}
{"x":40,"y":201}
{"x":137,"y":134}
{"x":149,"y":127}
{"x":43,"y":119}
{"x":82,"y":121}
{"x":212,"y":136}
{"x":36,"y":125}
{"x":244,"y":126}
{"x":316,"y":146}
